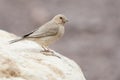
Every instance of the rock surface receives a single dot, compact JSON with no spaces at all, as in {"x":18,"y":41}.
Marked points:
{"x":24,"y":61}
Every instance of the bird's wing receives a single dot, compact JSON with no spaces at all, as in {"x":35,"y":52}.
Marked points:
{"x":24,"y":36}
{"x":44,"y":31}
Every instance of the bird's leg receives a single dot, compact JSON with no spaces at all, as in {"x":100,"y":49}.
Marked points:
{"x":46,"y":50}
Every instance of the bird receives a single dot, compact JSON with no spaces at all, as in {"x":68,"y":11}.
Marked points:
{"x":48,"y":33}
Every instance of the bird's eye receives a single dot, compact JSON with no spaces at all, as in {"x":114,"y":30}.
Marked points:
{"x":61,"y":18}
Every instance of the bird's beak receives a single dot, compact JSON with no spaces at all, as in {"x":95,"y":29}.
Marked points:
{"x":64,"y":21}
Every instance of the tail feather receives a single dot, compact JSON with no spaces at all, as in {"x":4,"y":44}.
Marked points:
{"x":16,"y":40}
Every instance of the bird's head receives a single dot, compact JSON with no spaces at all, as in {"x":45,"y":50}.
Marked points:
{"x":60,"y":19}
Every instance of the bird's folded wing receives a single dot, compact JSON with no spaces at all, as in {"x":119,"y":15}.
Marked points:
{"x":44,"y":32}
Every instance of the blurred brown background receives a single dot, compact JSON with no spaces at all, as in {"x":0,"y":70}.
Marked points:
{"x":92,"y":36}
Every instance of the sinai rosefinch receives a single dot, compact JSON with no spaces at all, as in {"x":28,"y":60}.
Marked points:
{"x":47,"y":33}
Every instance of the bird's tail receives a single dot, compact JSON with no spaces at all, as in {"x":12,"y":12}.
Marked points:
{"x":16,"y":40}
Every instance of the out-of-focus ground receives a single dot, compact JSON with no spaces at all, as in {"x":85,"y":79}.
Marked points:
{"x":92,"y":36}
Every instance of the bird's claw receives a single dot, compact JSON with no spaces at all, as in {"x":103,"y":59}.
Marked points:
{"x":49,"y":53}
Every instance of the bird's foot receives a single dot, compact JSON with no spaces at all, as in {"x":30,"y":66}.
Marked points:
{"x":48,"y":52}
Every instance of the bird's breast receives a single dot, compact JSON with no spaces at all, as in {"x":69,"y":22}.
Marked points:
{"x":60,"y":31}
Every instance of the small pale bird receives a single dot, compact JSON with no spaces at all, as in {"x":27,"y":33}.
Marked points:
{"x":47,"y":33}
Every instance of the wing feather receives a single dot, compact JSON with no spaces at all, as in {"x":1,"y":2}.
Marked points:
{"x":43,"y":31}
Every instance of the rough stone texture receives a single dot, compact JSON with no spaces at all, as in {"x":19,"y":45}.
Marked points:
{"x":24,"y":61}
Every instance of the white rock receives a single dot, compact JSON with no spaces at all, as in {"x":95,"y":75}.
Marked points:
{"x":24,"y":61}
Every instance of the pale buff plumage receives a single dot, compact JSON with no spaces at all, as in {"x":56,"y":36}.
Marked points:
{"x":47,"y":33}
